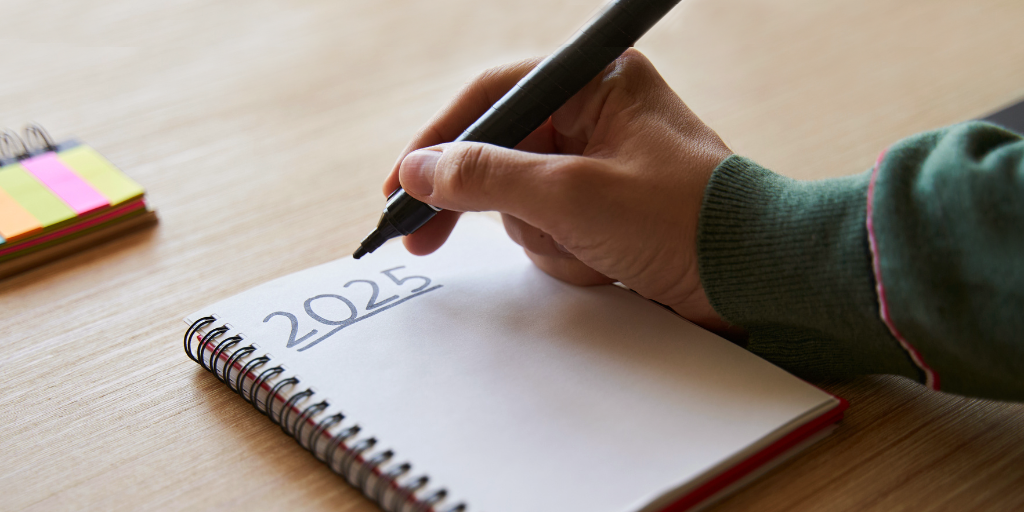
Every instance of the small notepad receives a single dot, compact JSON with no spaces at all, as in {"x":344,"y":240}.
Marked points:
{"x":56,"y":199}
{"x":471,"y":380}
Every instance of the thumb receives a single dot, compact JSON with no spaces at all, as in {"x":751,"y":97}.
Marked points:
{"x":471,"y":176}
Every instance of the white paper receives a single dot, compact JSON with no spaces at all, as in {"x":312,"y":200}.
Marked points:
{"x":516,"y":391}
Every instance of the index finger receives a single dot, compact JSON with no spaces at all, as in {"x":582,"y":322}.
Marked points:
{"x":466,"y":107}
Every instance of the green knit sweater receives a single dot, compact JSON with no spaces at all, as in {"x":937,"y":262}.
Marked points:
{"x":914,"y":268}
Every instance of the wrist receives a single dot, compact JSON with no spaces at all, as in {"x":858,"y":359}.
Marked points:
{"x":698,"y":310}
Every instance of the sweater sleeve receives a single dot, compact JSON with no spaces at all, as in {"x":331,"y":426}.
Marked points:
{"x":914,"y":268}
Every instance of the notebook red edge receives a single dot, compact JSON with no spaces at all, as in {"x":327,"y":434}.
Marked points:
{"x":759,"y":459}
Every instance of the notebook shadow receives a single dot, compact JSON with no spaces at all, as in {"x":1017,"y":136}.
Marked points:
{"x":60,"y":266}
{"x":274,"y":461}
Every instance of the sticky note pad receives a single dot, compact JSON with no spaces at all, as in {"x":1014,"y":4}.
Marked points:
{"x":59,"y":198}
{"x":101,"y":174}
{"x":46,"y":207}
{"x":76,"y":192}
{"x":15,"y":221}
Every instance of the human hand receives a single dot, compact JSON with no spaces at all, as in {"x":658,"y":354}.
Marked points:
{"x":608,"y":189}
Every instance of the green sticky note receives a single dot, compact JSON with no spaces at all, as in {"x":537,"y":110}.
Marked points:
{"x":46,"y":207}
{"x":101,"y":174}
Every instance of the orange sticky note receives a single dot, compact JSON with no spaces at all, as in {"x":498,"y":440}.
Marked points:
{"x":15,"y":221}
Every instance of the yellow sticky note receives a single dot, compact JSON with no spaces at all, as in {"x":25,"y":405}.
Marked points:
{"x":46,"y":207}
{"x":101,"y":174}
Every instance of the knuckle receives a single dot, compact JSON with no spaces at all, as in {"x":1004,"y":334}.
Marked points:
{"x":487,"y":76}
{"x":505,"y":72}
{"x":632,"y":74}
{"x":465,"y":166}
{"x":634,"y":63}
{"x":531,"y":238}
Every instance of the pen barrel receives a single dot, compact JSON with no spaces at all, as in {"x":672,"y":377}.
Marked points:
{"x":557,"y":78}
{"x":538,"y":95}
{"x":406,"y":213}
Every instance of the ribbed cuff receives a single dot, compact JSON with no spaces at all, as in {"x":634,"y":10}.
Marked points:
{"x":788,"y":261}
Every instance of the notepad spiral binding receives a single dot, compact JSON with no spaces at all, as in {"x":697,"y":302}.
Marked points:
{"x":37,"y":140}
{"x":374,"y":473}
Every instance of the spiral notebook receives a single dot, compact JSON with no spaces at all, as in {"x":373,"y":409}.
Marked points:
{"x":469,"y":380}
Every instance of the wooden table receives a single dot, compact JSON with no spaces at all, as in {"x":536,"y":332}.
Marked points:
{"x":262,"y":131}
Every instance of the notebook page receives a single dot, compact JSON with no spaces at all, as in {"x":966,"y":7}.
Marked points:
{"x":511,"y":389}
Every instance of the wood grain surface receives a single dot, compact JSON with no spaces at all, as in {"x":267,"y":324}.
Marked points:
{"x":262,"y":131}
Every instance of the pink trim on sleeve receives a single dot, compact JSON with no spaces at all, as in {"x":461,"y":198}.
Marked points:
{"x":931,"y":379}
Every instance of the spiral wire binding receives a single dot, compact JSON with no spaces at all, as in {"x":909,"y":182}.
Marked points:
{"x":351,"y":463}
{"x":38,"y":138}
{"x":12,"y":147}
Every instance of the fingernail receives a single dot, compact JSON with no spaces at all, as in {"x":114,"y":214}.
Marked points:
{"x":417,"y":171}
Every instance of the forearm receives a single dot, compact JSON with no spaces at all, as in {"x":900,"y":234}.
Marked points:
{"x":795,"y":263}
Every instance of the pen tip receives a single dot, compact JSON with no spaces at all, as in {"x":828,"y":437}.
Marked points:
{"x":384,"y":232}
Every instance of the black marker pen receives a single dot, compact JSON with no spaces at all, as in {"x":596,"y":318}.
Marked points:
{"x":532,"y":101}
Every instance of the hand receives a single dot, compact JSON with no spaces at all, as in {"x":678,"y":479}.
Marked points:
{"x":608,"y":189}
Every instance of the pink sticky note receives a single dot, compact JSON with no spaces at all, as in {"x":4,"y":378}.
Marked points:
{"x":63,"y":182}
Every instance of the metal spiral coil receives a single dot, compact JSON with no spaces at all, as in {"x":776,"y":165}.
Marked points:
{"x":12,"y":147}
{"x":38,"y":139}
{"x":352,"y":456}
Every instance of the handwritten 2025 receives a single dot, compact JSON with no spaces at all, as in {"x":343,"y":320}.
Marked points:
{"x":373,"y":306}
